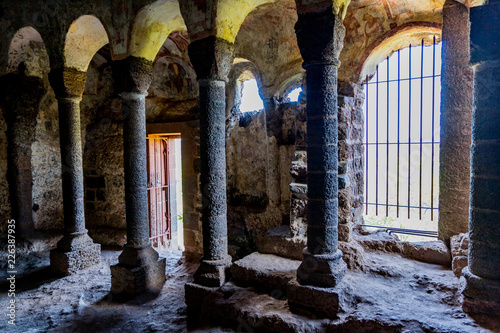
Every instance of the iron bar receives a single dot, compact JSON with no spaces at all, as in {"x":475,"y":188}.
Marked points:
{"x":376,"y":146}
{"x":393,"y":205}
{"x":409,"y":131}
{"x":399,"y":128}
{"x":433,"y":116}
{"x":366,"y":147}
{"x":421,"y":126}
{"x":387,"y":147}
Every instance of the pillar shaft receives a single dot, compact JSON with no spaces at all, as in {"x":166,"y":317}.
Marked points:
{"x":139,"y":267}
{"x":75,"y":251}
{"x":212,"y":59}
{"x":135,"y":168}
{"x":456,"y":115}
{"x":213,"y":168}
{"x":482,"y":289}
{"x":72,"y":165}
{"x":322,"y":265}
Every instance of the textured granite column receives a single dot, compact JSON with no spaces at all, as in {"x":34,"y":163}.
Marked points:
{"x":322,"y":265}
{"x":76,"y":249}
{"x":211,"y":58}
{"x":319,"y":288}
{"x":456,"y":115}
{"x":139,"y":267}
{"x":482,"y":288}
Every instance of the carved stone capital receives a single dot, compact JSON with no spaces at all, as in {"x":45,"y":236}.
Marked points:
{"x":320,"y":36}
{"x":67,"y":82}
{"x":212,"y":58}
{"x":132,"y":75}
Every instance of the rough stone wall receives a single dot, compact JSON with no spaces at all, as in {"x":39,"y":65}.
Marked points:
{"x":351,"y":122}
{"x":4,"y":186}
{"x":46,"y":167}
{"x":350,"y":138}
{"x":258,"y":178}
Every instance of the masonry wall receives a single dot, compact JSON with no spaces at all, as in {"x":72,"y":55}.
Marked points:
{"x":259,"y":151}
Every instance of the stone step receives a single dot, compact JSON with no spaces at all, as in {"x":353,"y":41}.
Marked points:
{"x":266,"y":272}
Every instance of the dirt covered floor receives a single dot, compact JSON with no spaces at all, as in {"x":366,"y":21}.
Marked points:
{"x":392,"y":294}
{"x":80,"y":302}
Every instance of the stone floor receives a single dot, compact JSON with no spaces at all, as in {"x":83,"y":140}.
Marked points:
{"x":80,"y":302}
{"x":393,"y":294}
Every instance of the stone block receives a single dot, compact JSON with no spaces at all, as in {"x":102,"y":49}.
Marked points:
{"x":459,"y":245}
{"x":195,"y":295}
{"x":70,"y":262}
{"x":435,"y":252}
{"x":265,"y":271}
{"x":319,"y":302}
{"x":213,"y":273}
{"x":481,"y":296}
{"x":128,"y":281}
{"x":278,"y":241}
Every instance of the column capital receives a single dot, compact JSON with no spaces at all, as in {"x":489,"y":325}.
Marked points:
{"x":212,"y":58}
{"x":320,"y":36}
{"x":132,"y":75}
{"x":67,"y":82}
{"x":484,"y":33}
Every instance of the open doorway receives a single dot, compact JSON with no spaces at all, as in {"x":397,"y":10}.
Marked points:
{"x":165,"y":191}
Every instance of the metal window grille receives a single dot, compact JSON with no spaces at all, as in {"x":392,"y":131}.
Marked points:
{"x":402,"y":110}
{"x":158,"y":190}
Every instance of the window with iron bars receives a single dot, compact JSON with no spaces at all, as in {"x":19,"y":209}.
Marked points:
{"x":402,"y":112}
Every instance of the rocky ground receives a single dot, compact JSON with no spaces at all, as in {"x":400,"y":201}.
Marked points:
{"x":390,"y":294}
{"x":80,"y":303}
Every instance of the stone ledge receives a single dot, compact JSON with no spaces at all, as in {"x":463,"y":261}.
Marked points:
{"x":266,"y":272}
{"x":278,"y":241}
{"x":319,"y":302}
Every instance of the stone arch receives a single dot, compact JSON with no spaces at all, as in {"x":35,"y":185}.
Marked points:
{"x":152,"y":25}
{"x":396,"y":39}
{"x":85,"y":36}
{"x":231,"y":17}
{"x":272,"y":47}
{"x":27,"y":50}
{"x":288,"y":85}
{"x":241,"y":70}
{"x":24,"y":87}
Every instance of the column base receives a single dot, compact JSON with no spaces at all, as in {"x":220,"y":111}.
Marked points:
{"x":138,"y":270}
{"x":195,"y":295}
{"x":322,"y":270}
{"x":213,"y":273}
{"x":317,"y":302}
{"x":74,"y":252}
{"x":481,"y":296}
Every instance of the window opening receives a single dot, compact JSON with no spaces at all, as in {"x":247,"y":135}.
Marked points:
{"x":402,"y":114}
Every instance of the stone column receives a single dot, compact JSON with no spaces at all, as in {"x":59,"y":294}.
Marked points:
{"x":322,"y":265}
{"x":21,"y":99}
{"x":139,"y":267}
{"x":456,"y":115}
{"x":320,"y":37}
{"x":482,"y":287}
{"x":76,"y":250}
{"x":211,"y":58}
